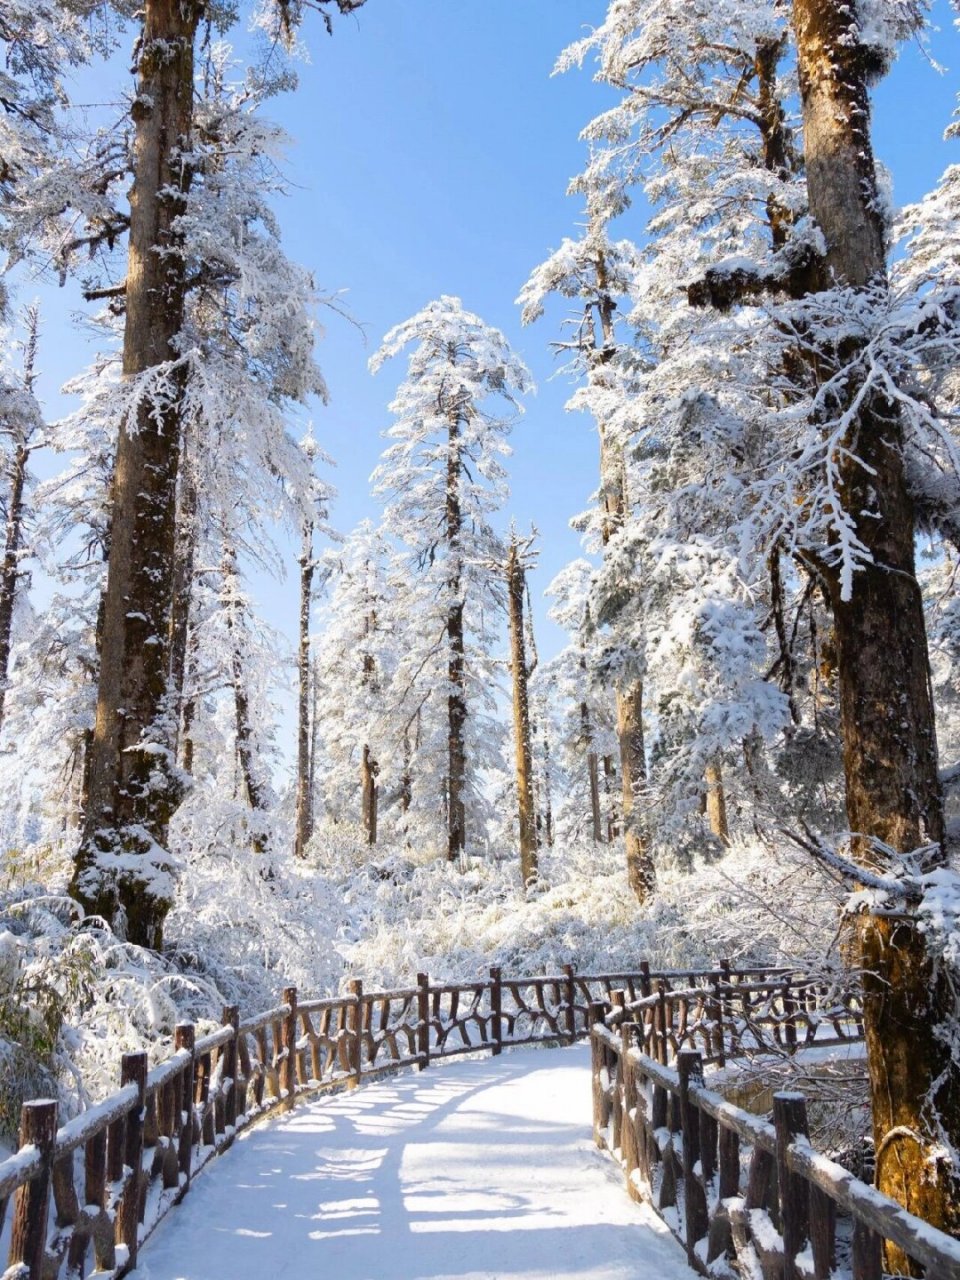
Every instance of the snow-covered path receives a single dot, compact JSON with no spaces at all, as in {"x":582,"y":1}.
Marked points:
{"x":476,"y":1170}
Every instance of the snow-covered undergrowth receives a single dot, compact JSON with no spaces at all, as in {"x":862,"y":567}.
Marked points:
{"x":750,"y":906}
{"x":73,"y":996}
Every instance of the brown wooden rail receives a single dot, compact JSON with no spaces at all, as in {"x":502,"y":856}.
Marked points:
{"x":92,"y":1190}
{"x":745,"y":1197}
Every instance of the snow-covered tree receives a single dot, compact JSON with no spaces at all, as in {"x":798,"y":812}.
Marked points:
{"x":779,"y":355}
{"x":133,"y":784}
{"x":443,"y":478}
{"x":361,"y":728}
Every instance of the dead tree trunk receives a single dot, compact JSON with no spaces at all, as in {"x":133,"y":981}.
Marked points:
{"x":889,"y":744}
{"x":303,"y":821}
{"x":132,"y":781}
{"x":516,"y":583}
{"x":21,"y":433}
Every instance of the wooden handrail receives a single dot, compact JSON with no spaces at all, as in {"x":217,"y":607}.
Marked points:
{"x":680,"y":1142}
{"x":143,"y":1145}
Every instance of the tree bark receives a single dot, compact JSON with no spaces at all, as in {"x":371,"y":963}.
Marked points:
{"x":369,"y":768}
{"x":632,"y":774}
{"x":253,"y":789}
{"x":303,"y":821}
{"x":182,"y":597}
{"x":368,"y":789}
{"x":132,"y":780}
{"x":716,"y":802}
{"x":613,"y":816}
{"x":13,"y":540}
{"x":889,"y":743}
{"x":521,"y":716}
{"x":456,"y":698}
{"x":594,"y":780}
{"x":547,"y":788}
{"x":613,"y":489}
{"x":592,"y":770}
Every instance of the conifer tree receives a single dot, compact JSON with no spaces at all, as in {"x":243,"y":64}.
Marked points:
{"x":442,"y":478}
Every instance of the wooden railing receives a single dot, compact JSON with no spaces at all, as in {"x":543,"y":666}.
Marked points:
{"x":745,"y":1197}
{"x":115,"y":1170}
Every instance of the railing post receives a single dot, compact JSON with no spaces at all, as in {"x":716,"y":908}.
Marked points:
{"x":690,"y":1072}
{"x":867,"y":1252}
{"x":570,"y":988}
{"x":230,"y":1017}
{"x":133,"y":1070}
{"x":38,"y":1128}
{"x":618,"y":999}
{"x":629,"y":1149}
{"x":662,"y":1045}
{"x":722,"y":988}
{"x":423,"y":1021}
{"x":790,"y":1017}
{"x":355,"y":1030}
{"x":596,"y":1014}
{"x":288,"y":1067}
{"x":496,"y":1009}
{"x":790,"y":1121}
{"x":185,"y":1039}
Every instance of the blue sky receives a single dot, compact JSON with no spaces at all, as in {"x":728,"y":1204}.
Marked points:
{"x":432,"y":153}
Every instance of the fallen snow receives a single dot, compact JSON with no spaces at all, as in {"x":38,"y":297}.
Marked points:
{"x":476,"y":1170}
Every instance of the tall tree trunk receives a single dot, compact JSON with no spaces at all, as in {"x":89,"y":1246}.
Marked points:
{"x":188,"y":713}
{"x":889,"y":744}
{"x":369,"y":768}
{"x":303,"y":822}
{"x":314,"y":738}
{"x":13,"y":540}
{"x":456,"y":674}
{"x":613,"y":813}
{"x":182,"y":598}
{"x":243,"y":725}
{"x":632,"y":774}
{"x":132,"y":783}
{"x":593,"y":776}
{"x":368,"y":790}
{"x":547,"y":787}
{"x":716,"y":802}
{"x":613,"y":488}
{"x":521,"y":717}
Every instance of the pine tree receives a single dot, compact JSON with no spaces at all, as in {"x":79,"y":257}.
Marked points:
{"x":442,"y":477}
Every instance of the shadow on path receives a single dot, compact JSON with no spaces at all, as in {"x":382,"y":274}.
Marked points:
{"x":476,"y":1170}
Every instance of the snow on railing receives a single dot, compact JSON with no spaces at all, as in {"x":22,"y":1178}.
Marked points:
{"x":745,"y":1198}
{"x":133,"y":1156}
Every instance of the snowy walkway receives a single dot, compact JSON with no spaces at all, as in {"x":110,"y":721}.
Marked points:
{"x":474,"y":1170}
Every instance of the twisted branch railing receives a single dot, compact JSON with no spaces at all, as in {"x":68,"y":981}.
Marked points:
{"x":748,"y":1200}
{"x":93,"y":1189}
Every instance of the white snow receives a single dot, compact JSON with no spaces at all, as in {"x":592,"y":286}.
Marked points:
{"x":475,"y":1170}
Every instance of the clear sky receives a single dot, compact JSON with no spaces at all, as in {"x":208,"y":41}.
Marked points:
{"x":432,"y":153}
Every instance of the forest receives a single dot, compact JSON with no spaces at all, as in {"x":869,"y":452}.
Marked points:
{"x":747,"y":744}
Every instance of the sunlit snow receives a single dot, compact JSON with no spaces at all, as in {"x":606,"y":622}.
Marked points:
{"x":475,"y":1170}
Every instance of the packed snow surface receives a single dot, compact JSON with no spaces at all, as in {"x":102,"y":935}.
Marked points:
{"x":472,"y":1170}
